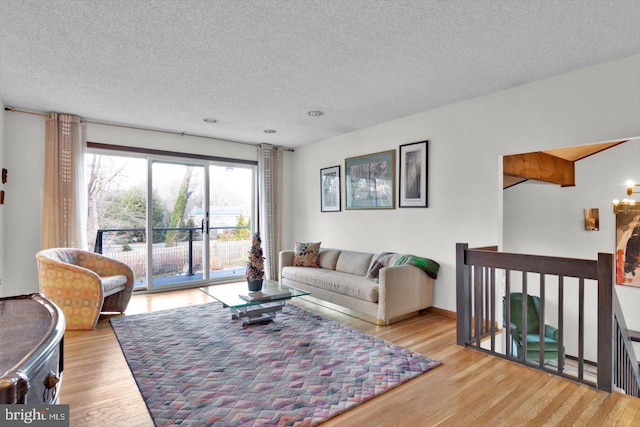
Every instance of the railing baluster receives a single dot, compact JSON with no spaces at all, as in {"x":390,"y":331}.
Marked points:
{"x":487,"y":295}
{"x":525,"y":305}
{"x":463,"y":296}
{"x":561,"y":323}
{"x":581,"y":328}
{"x":191,"y":252}
{"x":541,"y":329}
{"x":477,"y":277}
{"x":493,"y":310}
{"x":98,"y":246}
{"x":607,"y":305}
{"x":507,"y":304}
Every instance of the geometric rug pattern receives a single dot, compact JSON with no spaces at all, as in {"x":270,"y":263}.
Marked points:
{"x":195,"y":366}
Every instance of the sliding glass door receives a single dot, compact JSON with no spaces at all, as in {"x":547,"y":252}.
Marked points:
{"x":117,"y":214}
{"x":177,"y":223}
{"x":177,"y":220}
{"x":231,"y":196}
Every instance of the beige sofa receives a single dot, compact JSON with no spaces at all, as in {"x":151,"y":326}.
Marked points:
{"x":399,"y":291}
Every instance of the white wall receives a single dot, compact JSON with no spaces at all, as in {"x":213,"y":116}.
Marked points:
{"x":169,"y":142}
{"x":548,"y":219}
{"x":24,"y":157}
{"x":594,"y":104}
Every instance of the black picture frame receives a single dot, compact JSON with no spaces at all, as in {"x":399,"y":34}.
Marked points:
{"x":413,"y":183}
{"x":330,"y":189}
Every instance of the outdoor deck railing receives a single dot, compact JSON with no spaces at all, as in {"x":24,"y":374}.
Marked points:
{"x":184,"y":258}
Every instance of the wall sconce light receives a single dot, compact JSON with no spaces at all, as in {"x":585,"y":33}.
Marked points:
{"x":592,"y":219}
{"x":627,"y":202}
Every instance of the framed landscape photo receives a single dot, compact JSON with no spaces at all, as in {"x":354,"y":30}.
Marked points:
{"x":414,"y":175}
{"x":330,"y":189}
{"x":370,"y":181}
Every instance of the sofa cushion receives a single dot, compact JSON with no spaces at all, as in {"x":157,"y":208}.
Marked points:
{"x":335,"y":281}
{"x":328,"y":258}
{"x":306,"y":255}
{"x":354,"y":262}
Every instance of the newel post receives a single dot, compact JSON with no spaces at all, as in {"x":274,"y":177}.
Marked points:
{"x":605,"y":322}
{"x":463,"y":296}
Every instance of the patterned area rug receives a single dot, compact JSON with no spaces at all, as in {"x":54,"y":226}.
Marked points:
{"x":195,"y":367}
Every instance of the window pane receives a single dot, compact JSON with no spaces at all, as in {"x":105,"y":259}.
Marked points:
{"x":177,"y":217}
{"x":231,"y":211}
{"x":117,"y":210}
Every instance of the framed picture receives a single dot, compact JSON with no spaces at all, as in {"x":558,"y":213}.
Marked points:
{"x":592,"y":219}
{"x":628,"y":246}
{"x":370,"y":181}
{"x":413,"y":175}
{"x":330,"y":189}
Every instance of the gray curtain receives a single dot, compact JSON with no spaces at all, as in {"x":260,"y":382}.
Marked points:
{"x":270,"y":205}
{"x":64,"y":211}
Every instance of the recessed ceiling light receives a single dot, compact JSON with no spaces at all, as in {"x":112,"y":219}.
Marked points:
{"x":269,"y":131}
{"x":210,"y":120}
{"x":315,"y":113}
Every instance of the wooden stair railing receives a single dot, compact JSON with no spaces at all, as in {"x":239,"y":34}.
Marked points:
{"x":634,"y":335}
{"x":626,"y":372}
{"x":476,"y":272}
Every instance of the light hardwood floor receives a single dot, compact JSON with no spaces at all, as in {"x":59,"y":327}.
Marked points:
{"x":468,"y":389}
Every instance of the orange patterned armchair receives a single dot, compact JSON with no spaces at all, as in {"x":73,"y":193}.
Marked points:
{"x":84,"y":284}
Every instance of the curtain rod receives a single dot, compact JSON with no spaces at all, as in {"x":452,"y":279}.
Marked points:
{"x":96,"y":122}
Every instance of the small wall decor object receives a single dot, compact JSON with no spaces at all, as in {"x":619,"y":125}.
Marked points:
{"x":330,"y":189}
{"x":370,"y":181}
{"x":592,"y":219}
{"x":627,"y":202}
{"x":414,"y":175}
{"x":4,"y":181}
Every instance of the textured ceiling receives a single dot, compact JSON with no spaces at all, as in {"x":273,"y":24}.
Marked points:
{"x":256,"y":65}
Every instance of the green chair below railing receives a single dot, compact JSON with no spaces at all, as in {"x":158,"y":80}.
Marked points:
{"x":533,"y":330}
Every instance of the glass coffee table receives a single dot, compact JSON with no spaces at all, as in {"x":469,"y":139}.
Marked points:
{"x":253,"y":307}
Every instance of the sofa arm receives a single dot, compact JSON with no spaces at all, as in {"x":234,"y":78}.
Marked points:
{"x":285,"y":259}
{"x":403,"y":289}
{"x":76,"y":290}
{"x":55,"y":275}
{"x":105,"y":266}
{"x":551,"y":332}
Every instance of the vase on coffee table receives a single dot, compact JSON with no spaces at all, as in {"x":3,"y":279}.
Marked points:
{"x":255,"y":285}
